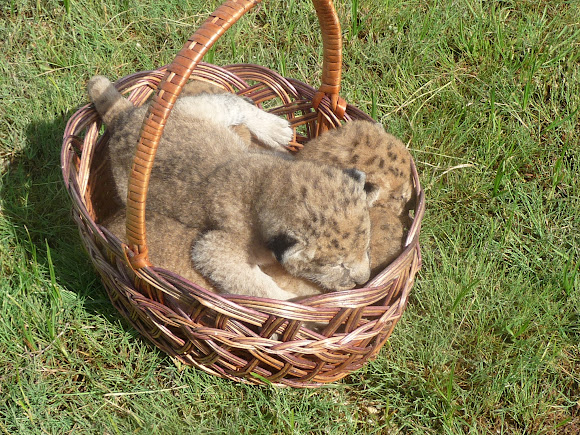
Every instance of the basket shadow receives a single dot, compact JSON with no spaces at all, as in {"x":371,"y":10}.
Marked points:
{"x":36,"y":203}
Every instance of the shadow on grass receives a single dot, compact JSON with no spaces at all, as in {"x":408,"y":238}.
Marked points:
{"x":38,"y":206}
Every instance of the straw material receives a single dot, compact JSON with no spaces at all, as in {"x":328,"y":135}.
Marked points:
{"x":248,"y":339}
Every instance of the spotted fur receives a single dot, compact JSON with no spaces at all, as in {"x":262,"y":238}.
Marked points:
{"x":206,"y":177}
{"x":387,"y":164}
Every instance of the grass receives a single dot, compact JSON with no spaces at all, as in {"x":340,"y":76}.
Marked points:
{"x":486,"y":94}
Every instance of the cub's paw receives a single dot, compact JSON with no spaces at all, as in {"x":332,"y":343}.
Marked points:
{"x":271,"y":130}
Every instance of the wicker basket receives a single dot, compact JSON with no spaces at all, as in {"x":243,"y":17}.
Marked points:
{"x":244,"y":338}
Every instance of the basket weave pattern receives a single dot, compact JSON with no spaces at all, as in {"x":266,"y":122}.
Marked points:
{"x":244,"y":338}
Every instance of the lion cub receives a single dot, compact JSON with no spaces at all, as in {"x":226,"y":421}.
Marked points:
{"x":251,"y":208}
{"x":386,"y":161}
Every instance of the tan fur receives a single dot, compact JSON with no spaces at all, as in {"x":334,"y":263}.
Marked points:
{"x":249,"y":206}
{"x":196,"y":87}
{"x":366,"y":146}
{"x":388,"y":232}
{"x":169,"y":243}
{"x":387,"y":163}
{"x":299,"y":286}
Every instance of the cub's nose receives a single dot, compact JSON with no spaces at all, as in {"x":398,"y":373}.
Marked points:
{"x":362,"y":274}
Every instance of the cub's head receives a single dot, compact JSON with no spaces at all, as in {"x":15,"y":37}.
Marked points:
{"x":366,"y":146}
{"x":318,"y":228}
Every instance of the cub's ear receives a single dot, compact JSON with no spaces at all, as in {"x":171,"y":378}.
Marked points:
{"x":355,"y":174}
{"x":373,"y":191}
{"x":280,"y":243}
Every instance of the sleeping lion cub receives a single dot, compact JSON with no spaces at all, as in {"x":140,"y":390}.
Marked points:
{"x":387,"y":163}
{"x":251,"y":208}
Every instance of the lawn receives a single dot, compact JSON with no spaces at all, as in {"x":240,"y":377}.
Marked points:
{"x":485,"y":93}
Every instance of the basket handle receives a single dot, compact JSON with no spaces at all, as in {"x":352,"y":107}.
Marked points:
{"x":176,"y":77}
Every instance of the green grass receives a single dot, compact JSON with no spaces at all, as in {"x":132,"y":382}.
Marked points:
{"x":486,"y":94}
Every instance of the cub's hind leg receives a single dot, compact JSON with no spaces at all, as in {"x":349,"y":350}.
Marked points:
{"x":222,"y":258}
{"x":229,"y":110}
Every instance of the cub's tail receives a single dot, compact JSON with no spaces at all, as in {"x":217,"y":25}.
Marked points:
{"x":107,"y":100}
